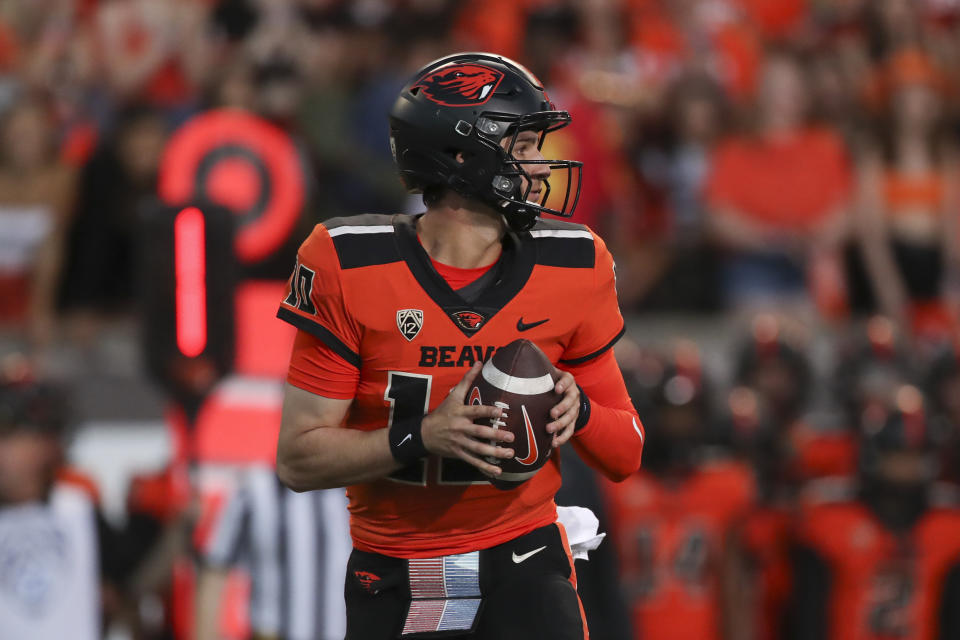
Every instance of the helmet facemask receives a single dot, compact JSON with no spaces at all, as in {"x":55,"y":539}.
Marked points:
{"x":509,"y":187}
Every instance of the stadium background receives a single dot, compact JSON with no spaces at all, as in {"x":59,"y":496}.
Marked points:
{"x":766,"y":172}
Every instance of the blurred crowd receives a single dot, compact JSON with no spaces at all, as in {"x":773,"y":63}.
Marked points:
{"x":787,"y":167}
{"x":741,"y":153}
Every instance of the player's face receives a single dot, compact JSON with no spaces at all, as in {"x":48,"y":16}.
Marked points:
{"x":27,"y":462}
{"x":527,"y":147}
{"x":776,"y":382}
{"x":904,"y":468}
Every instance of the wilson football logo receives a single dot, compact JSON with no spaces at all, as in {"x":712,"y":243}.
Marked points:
{"x":460,"y":85}
{"x":409,"y":322}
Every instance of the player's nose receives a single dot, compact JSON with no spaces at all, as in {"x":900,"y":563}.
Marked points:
{"x":540,"y":170}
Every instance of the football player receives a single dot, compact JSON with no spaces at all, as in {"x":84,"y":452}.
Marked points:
{"x":671,"y":520}
{"x":395,"y":316}
{"x":882,"y":561}
{"x":773,"y":365}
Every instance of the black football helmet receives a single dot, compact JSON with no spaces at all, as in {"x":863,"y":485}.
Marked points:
{"x":469,"y":103}
{"x":903,"y":427}
{"x":671,"y":393}
{"x":898,"y":459}
{"x":30,"y":405}
{"x":776,"y":367}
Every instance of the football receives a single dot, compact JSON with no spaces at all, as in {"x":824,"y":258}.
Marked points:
{"x":519,"y":379}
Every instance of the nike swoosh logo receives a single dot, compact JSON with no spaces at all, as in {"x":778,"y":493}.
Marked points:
{"x":532,"y":451}
{"x":519,"y":559}
{"x":523,"y":326}
{"x":405,"y":438}
{"x":637,"y":429}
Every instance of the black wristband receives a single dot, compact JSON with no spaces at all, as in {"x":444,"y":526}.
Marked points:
{"x":584,"y":416}
{"x":406,"y":443}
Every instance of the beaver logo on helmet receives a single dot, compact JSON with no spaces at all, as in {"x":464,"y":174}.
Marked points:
{"x":460,"y":85}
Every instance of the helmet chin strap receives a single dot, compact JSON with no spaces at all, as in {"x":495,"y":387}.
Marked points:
{"x":520,"y":223}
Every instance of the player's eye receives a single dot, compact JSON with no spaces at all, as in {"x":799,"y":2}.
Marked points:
{"x":523,"y":147}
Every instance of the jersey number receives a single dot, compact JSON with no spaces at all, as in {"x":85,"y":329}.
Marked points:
{"x":687,"y":564}
{"x":890,"y":614}
{"x":301,"y":286}
{"x":409,"y":397}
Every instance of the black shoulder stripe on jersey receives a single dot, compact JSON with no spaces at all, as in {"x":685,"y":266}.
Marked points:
{"x":591,"y":356}
{"x":365,"y":249}
{"x":573,"y":253}
{"x":552,"y":224}
{"x":323,"y":334}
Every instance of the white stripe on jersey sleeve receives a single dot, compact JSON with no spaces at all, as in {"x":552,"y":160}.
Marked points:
{"x":354,"y":229}
{"x":561,"y":233}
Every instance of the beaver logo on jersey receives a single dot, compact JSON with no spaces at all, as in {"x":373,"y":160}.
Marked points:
{"x":409,"y":321}
{"x":469,"y":320}
{"x":460,"y":85}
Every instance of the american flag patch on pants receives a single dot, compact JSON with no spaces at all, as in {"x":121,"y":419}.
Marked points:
{"x":445,"y":593}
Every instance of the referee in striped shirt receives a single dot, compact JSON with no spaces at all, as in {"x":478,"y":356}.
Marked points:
{"x":294,"y":547}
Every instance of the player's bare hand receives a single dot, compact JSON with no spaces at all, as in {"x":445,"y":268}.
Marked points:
{"x":450,"y":431}
{"x":565,"y":412}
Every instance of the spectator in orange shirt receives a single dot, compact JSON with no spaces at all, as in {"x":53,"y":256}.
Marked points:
{"x":906,"y":205}
{"x":668,"y":37}
{"x":777,"y":196}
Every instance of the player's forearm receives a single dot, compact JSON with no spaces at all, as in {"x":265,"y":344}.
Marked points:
{"x":328,"y":457}
{"x":612,"y":439}
{"x":611,"y":442}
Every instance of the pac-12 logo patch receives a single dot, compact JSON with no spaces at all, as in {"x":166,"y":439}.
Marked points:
{"x":409,"y":321}
{"x":460,"y":85}
{"x":469,"y":319}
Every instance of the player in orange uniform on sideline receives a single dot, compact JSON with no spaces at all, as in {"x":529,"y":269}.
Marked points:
{"x":396,"y":314}
{"x":670,"y":521}
{"x":885,"y":562}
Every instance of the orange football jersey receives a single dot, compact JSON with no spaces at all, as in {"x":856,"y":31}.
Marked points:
{"x":882,"y":586}
{"x":365,"y":287}
{"x":670,"y":539}
{"x":765,"y":537}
